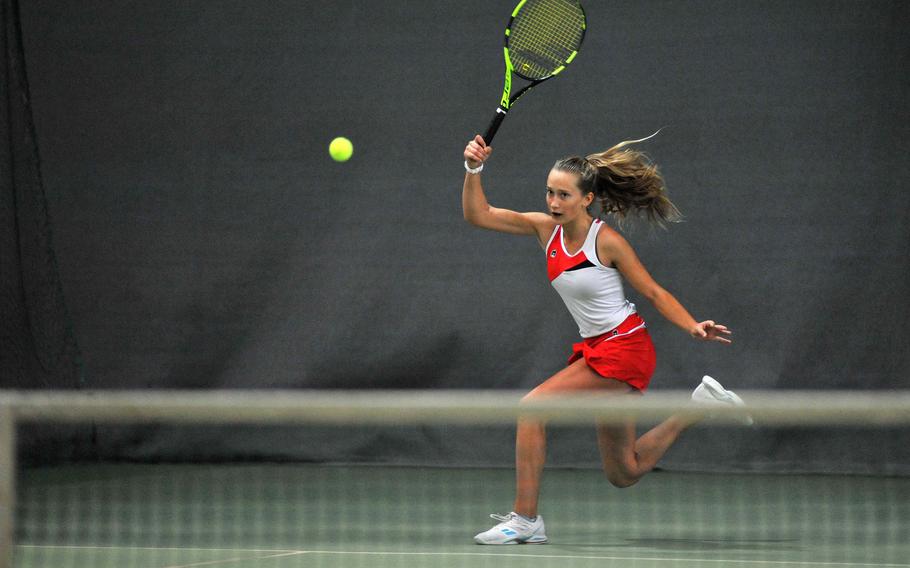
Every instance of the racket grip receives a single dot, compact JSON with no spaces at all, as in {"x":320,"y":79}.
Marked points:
{"x":494,"y":126}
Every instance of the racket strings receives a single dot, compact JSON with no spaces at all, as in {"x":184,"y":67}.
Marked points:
{"x":544,"y":35}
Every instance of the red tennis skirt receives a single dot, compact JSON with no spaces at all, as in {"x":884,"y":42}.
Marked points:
{"x":624,"y":353}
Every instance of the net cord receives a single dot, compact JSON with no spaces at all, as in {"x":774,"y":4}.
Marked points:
{"x":793,"y":408}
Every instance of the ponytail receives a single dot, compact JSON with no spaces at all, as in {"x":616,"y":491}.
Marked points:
{"x":625,"y":183}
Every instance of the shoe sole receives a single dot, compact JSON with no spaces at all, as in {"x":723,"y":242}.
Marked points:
{"x":511,"y":542}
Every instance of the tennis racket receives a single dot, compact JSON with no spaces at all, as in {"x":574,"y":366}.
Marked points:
{"x":542,"y":37}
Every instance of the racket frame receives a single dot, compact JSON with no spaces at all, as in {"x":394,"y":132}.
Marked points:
{"x":508,"y":99}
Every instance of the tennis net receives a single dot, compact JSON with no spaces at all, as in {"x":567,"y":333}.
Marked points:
{"x":380,"y":478}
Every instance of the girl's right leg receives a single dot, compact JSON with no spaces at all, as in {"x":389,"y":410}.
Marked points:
{"x":531,"y":439}
{"x":530,"y":453}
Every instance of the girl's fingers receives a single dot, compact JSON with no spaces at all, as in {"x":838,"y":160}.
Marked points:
{"x":477,"y":150}
{"x":477,"y":154}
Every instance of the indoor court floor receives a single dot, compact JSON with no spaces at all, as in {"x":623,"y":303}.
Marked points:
{"x":289,"y":515}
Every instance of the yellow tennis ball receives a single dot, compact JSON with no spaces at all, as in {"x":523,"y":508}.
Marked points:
{"x":341,"y":149}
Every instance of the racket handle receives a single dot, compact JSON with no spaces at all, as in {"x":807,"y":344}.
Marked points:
{"x":494,"y":125}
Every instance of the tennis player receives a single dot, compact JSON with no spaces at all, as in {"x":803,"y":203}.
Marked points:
{"x":586,"y":263}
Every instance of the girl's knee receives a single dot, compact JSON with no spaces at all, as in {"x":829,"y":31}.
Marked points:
{"x":621,"y":480}
{"x":620,"y":476}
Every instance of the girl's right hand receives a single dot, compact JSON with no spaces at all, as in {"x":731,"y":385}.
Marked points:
{"x":477,"y":152}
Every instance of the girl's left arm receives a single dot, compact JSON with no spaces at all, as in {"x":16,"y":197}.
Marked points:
{"x":612,"y":247}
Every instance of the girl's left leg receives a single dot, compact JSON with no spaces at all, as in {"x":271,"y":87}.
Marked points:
{"x":625,"y":459}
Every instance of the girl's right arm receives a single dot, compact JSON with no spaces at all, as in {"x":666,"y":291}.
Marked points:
{"x":481,"y":214}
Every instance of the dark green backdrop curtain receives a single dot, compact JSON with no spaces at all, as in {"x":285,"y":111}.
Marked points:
{"x":205,"y":239}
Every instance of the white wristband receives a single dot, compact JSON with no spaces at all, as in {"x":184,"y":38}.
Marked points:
{"x":471,"y":170}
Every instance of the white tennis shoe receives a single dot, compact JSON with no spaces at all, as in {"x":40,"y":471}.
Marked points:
{"x":513,"y":529}
{"x":712,"y":393}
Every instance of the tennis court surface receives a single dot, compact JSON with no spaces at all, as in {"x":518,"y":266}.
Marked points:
{"x":277,"y":515}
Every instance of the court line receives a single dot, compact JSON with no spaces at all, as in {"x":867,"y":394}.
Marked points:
{"x":286,"y":552}
{"x":202,"y":549}
{"x":630,"y":558}
{"x":232,"y":560}
{"x":265,"y":553}
{"x":152,"y":548}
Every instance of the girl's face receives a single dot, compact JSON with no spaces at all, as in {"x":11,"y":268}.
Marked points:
{"x":564,"y":198}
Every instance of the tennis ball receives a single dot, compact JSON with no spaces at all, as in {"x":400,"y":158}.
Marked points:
{"x":341,"y":149}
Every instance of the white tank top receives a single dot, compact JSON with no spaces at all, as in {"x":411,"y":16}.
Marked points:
{"x":592,"y":292}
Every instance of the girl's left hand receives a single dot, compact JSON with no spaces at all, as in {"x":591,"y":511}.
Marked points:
{"x":710,"y":331}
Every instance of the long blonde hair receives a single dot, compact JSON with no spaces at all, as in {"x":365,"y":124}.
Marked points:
{"x":625,"y":182}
